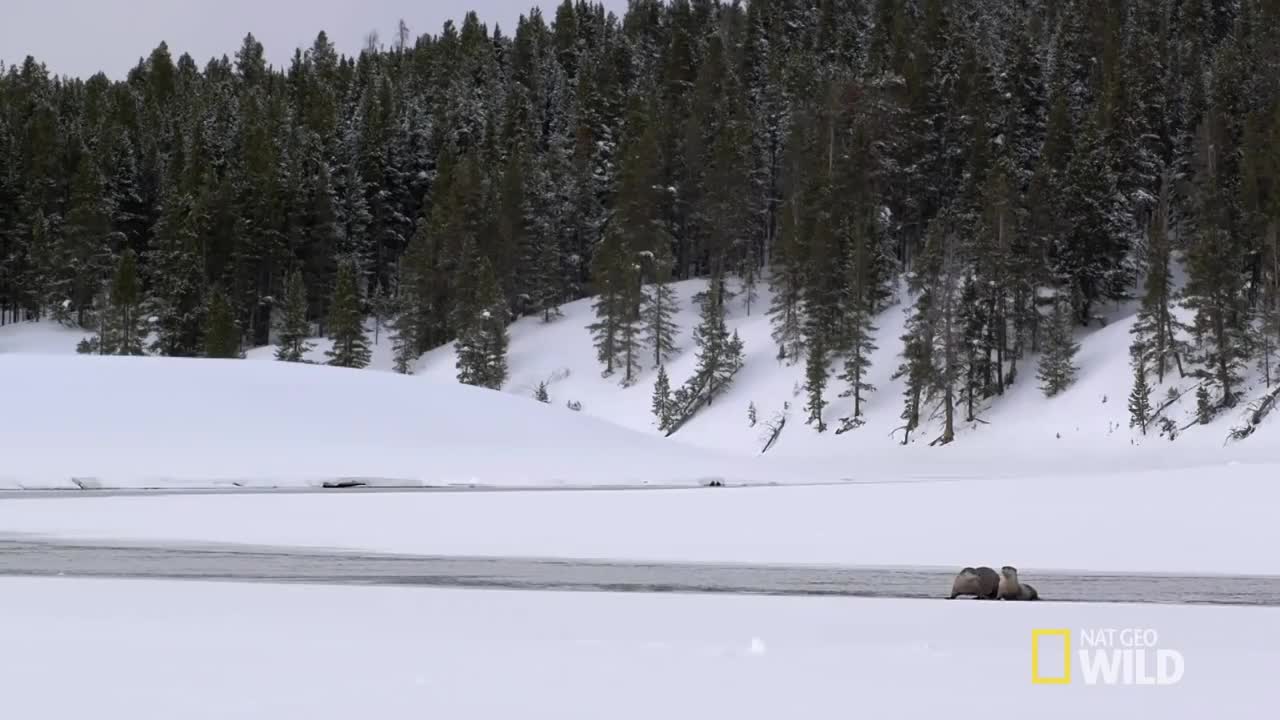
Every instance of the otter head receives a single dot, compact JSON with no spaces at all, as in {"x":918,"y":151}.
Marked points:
{"x":1009,"y":571}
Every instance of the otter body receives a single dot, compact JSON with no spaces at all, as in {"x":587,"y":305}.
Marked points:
{"x":1011,"y":589}
{"x":982,"y":583}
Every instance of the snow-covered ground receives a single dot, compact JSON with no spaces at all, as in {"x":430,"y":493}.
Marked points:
{"x":148,"y":650}
{"x":1091,"y":416}
{"x":1199,"y":520}
{"x":164,"y":422}
{"x":157,"y":422}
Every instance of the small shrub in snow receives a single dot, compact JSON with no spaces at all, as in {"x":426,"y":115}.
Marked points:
{"x":574,"y":405}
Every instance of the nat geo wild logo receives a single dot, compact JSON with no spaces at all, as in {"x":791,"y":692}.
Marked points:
{"x":1104,"y":656}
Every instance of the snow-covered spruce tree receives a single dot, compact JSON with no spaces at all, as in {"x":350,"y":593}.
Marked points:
{"x":1216,"y":286}
{"x":787,"y":280}
{"x":719,"y":359}
{"x":662,"y":402}
{"x":917,"y":361}
{"x":291,"y":341}
{"x":120,"y":327}
{"x":126,"y":312}
{"x":41,"y":255}
{"x":719,"y":354}
{"x":636,"y":242}
{"x":405,"y":328}
{"x":346,"y":321}
{"x":493,"y":322}
{"x":1140,"y":394}
{"x":222,"y":335}
{"x":858,"y":329}
{"x":1093,"y":248}
{"x":1266,"y":220}
{"x":176,"y":271}
{"x":1204,"y":406}
{"x":949,"y":335}
{"x":82,"y":248}
{"x":541,"y":395}
{"x":616,"y":329}
{"x":659,"y":309}
{"x":1156,"y":329}
{"x":482,"y":333}
{"x":749,"y":276}
{"x":1057,"y":362}
{"x":816,"y":383}
{"x":414,"y":326}
{"x":933,"y":352}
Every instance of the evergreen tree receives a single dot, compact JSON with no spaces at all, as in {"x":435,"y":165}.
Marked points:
{"x":41,"y":256}
{"x":617,"y":306}
{"x":816,"y":383}
{"x":125,"y":319}
{"x":178,"y":298}
{"x":787,"y":277}
{"x":346,"y":321}
{"x":1140,"y":395}
{"x":858,"y":327}
{"x":83,"y":254}
{"x":1156,"y":329}
{"x":494,"y":328}
{"x":1093,"y":248}
{"x":406,"y":328}
{"x":719,"y":353}
{"x":121,"y":330}
{"x":1215,"y":287}
{"x":541,"y":395}
{"x":662,"y":403}
{"x":658,"y":311}
{"x":1057,"y":361}
{"x":221,"y":336}
{"x":1205,"y":410}
{"x":482,"y":335}
{"x":291,"y":341}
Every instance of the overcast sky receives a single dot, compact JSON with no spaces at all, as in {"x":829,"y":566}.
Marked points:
{"x":81,"y":37}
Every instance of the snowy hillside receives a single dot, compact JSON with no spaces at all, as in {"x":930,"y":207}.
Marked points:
{"x":1085,"y":428}
{"x":1091,"y":414}
{"x":119,"y":421}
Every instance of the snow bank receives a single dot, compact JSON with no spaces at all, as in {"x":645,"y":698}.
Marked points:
{"x":89,"y":421}
{"x":1208,"y":520}
{"x":141,"y":650}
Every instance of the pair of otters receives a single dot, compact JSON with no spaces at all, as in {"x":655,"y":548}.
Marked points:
{"x":984,"y":584}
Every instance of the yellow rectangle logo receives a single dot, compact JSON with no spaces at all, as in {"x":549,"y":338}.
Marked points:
{"x":1065,"y":679}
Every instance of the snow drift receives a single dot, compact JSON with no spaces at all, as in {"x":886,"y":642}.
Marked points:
{"x":92,"y":421}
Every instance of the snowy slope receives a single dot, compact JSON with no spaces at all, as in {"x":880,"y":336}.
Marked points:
{"x":1019,"y":431}
{"x":1086,"y":428}
{"x":112,"y":421}
{"x":1091,"y":414}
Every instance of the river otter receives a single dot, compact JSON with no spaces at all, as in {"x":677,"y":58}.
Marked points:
{"x":1011,"y":589}
{"x":981,"y":583}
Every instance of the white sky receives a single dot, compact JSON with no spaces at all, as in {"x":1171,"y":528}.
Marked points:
{"x":81,"y":37}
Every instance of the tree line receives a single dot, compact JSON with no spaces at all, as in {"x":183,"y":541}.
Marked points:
{"x":1016,"y":165}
